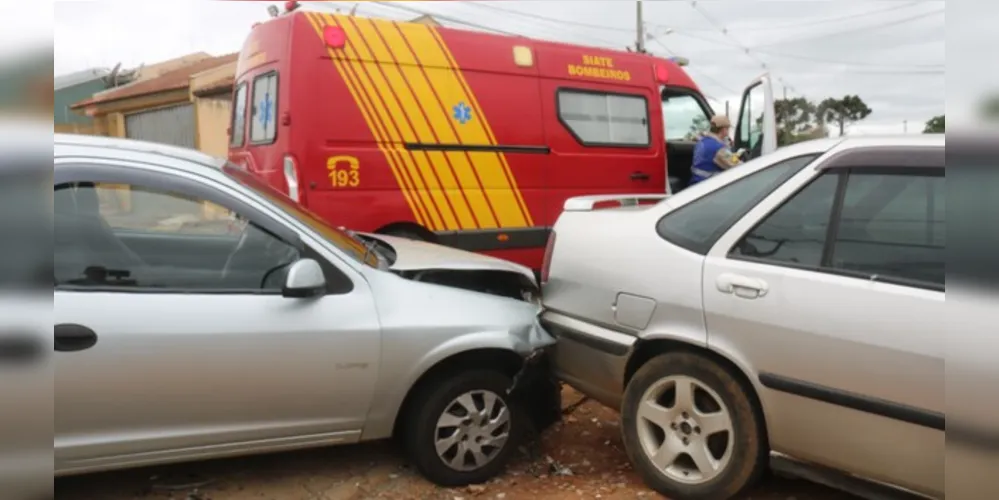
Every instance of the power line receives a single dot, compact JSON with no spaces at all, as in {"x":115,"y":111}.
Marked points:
{"x":444,"y":17}
{"x":850,"y":63}
{"x":701,"y":73}
{"x":834,"y":19}
{"x":741,"y":45}
{"x":854,"y":30}
{"x":561,"y":22}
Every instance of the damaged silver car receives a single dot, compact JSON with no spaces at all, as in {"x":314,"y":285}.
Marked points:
{"x":200,"y":313}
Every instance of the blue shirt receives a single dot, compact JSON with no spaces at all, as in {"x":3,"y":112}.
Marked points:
{"x":704,"y":165}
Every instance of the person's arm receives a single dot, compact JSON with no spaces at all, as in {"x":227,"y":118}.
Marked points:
{"x":723,"y":158}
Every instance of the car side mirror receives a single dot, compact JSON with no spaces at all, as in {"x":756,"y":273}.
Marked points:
{"x":304,"y":279}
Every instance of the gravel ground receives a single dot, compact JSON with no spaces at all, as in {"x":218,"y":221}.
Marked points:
{"x":586,"y":445}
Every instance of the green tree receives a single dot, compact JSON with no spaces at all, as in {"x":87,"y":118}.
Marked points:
{"x":698,"y":126}
{"x":848,"y":110}
{"x":794,"y":119}
{"x":935,"y":125}
{"x":989,"y":108}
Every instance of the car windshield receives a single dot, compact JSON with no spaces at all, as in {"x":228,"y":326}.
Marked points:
{"x":342,"y":239}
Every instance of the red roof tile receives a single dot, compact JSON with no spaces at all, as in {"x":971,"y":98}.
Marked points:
{"x":172,"y":80}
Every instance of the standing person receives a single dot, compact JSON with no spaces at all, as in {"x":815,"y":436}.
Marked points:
{"x":712,"y":153}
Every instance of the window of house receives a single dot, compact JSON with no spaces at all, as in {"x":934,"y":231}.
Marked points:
{"x":893,"y":226}
{"x":238,"y":125}
{"x":684,"y":118}
{"x":263,"y":127}
{"x":602,"y":119}
{"x":796,"y":232}
{"x":697,"y":225}
{"x":130,"y":250}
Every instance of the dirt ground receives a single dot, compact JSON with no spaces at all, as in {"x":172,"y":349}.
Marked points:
{"x":580,"y":458}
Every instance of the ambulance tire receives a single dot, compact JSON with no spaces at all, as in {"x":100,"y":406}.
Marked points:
{"x":440,"y":397}
{"x":405,"y":233}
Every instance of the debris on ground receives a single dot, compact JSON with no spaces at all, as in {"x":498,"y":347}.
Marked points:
{"x":580,"y":457}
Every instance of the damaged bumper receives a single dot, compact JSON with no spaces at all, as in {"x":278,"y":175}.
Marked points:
{"x":534,"y":383}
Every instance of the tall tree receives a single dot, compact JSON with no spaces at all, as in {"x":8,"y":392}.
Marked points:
{"x":989,"y":108}
{"x":848,"y":110}
{"x":794,"y":118}
{"x":935,"y":125}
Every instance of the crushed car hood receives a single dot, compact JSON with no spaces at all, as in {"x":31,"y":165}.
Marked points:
{"x":413,"y":255}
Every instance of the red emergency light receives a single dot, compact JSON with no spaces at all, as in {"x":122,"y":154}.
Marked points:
{"x":334,"y":37}
{"x":290,"y":5}
{"x":662,"y":74}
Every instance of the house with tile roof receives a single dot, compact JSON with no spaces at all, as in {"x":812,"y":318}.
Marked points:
{"x":156,"y":106}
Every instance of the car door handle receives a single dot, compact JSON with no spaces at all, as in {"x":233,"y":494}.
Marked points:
{"x":639,"y":176}
{"x":741,"y":286}
{"x":70,"y":337}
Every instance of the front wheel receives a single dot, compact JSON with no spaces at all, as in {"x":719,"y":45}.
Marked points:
{"x":463,"y":429}
{"x":690,"y":430}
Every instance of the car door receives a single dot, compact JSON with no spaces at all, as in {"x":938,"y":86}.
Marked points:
{"x":161,"y":358}
{"x":831,"y":291}
{"x":756,"y":130}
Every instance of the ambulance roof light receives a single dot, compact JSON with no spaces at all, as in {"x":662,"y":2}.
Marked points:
{"x":680,"y":60}
{"x":334,"y":37}
{"x":662,"y":74}
{"x":290,"y":5}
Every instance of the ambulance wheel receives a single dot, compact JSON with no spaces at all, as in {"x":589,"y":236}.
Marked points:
{"x":405,"y":233}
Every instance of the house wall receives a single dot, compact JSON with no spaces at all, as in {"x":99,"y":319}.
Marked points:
{"x":64,"y":98}
{"x":213,"y":124}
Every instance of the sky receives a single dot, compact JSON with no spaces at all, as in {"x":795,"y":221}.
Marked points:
{"x":890,"y":53}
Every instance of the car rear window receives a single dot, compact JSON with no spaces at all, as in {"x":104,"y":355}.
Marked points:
{"x":697,"y":225}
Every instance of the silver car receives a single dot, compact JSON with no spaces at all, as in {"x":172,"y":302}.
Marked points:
{"x":793,"y":306}
{"x":201,"y":314}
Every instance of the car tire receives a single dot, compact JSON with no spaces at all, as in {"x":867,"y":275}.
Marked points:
{"x":441,"y":397}
{"x":718,"y":424}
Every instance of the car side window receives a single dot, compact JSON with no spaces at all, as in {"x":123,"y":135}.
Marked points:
{"x":889,"y":226}
{"x":796,"y":232}
{"x":697,"y":225}
{"x":892,"y":226}
{"x":161,"y":241}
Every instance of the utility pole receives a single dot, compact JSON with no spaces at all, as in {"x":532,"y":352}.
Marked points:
{"x":785,"y":92}
{"x":640,"y":42}
{"x":905,"y":126}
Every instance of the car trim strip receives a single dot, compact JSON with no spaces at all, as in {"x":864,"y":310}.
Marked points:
{"x":887,"y":156}
{"x":596,"y":337}
{"x":867,"y":404}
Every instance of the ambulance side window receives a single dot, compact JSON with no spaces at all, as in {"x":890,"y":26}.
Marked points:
{"x":238,"y":125}
{"x":602,"y":119}
{"x":684,"y":117}
{"x":263,"y":124}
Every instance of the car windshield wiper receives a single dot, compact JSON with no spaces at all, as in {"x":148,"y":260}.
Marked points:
{"x":370,"y":246}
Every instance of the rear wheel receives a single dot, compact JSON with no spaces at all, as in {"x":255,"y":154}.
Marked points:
{"x":690,"y":430}
{"x":463,"y":429}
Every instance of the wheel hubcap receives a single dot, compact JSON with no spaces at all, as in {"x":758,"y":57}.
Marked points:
{"x":473,"y":429}
{"x":685,"y":429}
